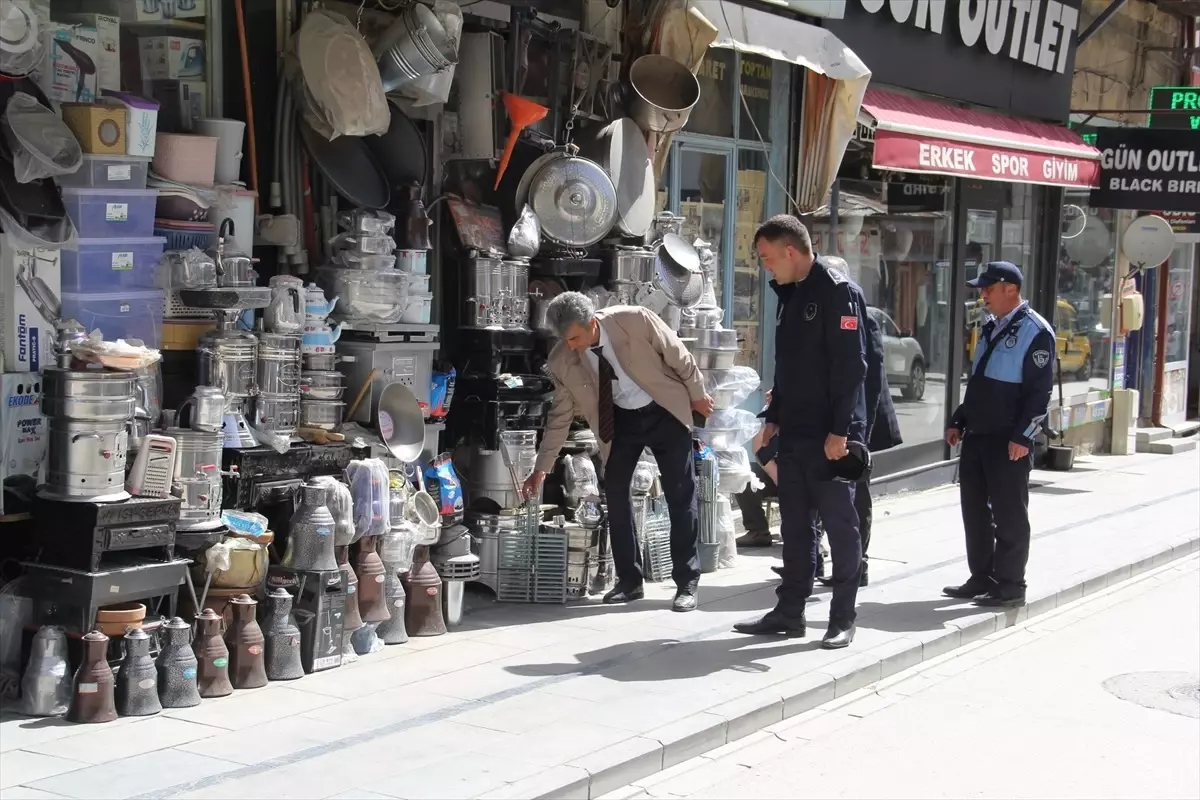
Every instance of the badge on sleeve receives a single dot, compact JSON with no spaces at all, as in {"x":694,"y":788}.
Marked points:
{"x":1041,"y":358}
{"x":849,"y":323}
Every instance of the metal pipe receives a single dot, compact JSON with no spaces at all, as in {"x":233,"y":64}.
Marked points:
{"x":1099,"y":22}
{"x":835,"y":196}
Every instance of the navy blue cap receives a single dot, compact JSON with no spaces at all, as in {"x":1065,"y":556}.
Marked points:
{"x":998,"y":272}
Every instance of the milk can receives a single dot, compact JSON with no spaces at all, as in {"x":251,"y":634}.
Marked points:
{"x":197,"y":477}
{"x":227,"y":360}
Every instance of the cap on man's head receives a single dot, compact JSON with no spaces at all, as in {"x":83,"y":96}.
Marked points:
{"x":998,"y":272}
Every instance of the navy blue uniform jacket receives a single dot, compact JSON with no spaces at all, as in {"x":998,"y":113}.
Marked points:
{"x":1008,"y":392}
{"x":820,"y":359}
{"x":883,"y":428}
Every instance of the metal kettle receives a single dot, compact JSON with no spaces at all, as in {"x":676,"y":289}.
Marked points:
{"x":234,"y":269}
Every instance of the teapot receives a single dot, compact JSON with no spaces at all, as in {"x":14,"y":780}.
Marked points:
{"x":234,"y":269}
{"x":316,"y":307}
{"x":287,"y":311}
{"x":320,"y":338}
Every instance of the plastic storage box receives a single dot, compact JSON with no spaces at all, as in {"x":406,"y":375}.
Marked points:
{"x":107,"y":213}
{"x":105,"y":265}
{"x":119,"y":315}
{"x":108,"y":172}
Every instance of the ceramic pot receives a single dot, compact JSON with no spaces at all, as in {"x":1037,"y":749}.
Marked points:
{"x":283,"y":639}
{"x":372,"y":605}
{"x":137,"y":679}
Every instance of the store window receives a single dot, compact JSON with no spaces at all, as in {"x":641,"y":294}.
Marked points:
{"x":1086,"y":271}
{"x":1178,"y":306}
{"x":752,"y":175}
{"x":896,"y":237}
{"x":702,"y":196}
{"x":713,"y":113}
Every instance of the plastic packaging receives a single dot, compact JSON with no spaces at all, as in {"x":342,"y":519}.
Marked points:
{"x":364,"y":244}
{"x":441,"y":392}
{"x":728,"y":557}
{"x":729,"y":429}
{"x":24,"y":54}
{"x":341,"y":505}
{"x":41,"y":143}
{"x":733,"y":470}
{"x":245,"y":523}
{"x":340,"y":92}
{"x":580,"y":479}
{"x":369,"y":488}
{"x":729,"y":388}
{"x":444,"y":486}
{"x":525,"y":238}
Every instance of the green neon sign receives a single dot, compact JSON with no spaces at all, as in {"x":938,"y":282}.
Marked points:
{"x":1178,"y":99}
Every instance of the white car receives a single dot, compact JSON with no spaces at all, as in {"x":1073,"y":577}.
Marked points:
{"x":903,"y":357}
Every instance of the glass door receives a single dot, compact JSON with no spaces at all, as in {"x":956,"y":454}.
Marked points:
{"x":1174,"y":335}
{"x":703,"y":181}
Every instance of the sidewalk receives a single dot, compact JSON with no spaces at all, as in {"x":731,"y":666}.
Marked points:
{"x":530,"y":701}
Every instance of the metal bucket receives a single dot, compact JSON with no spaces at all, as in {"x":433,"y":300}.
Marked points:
{"x":485,"y":532}
{"x":664,"y":93}
{"x":99,"y":395}
{"x":85,"y":458}
{"x":228,"y":362}
{"x":277,"y":413}
{"x":415,"y":45}
{"x":278,"y":365}
{"x":198,"y":477}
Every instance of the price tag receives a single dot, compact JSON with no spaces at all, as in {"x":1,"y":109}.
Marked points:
{"x":122,"y":261}
{"x":120,"y":172}
{"x":116,"y":212}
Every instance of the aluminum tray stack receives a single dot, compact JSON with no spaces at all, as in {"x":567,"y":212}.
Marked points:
{"x":654,"y":537}
{"x":533,"y":563}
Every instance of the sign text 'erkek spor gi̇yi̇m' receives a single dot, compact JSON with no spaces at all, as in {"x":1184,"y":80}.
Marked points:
{"x":912,"y":153}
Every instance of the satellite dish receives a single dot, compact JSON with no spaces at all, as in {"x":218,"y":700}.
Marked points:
{"x":1092,"y":246}
{"x":1148,"y":241}
{"x":1074,"y":220}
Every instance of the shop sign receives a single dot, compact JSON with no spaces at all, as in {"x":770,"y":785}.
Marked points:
{"x":1040,"y":34}
{"x":1144,"y":168}
{"x":913,"y":192}
{"x":1183,"y":100}
{"x":1181,"y":221}
{"x":922,"y":154}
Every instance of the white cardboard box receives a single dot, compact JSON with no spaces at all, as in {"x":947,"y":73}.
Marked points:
{"x":28,"y":339}
{"x":108,"y":46}
{"x":22,"y":439}
{"x":171,"y":58}
{"x":140,"y":10}
{"x":59,"y":75}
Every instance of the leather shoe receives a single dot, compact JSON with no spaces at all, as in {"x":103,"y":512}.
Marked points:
{"x":773,"y":623}
{"x":755,"y":539}
{"x":997,"y":598}
{"x":685,"y":600}
{"x":621,"y":594}
{"x":862,"y":578}
{"x":836,"y":638}
{"x":972,"y":588}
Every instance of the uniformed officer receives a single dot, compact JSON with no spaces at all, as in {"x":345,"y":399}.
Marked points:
{"x":1004,"y":409}
{"x":818,"y":407}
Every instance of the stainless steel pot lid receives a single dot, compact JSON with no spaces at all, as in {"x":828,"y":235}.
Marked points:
{"x":620,"y":148}
{"x":679,"y":253}
{"x":574,"y":199}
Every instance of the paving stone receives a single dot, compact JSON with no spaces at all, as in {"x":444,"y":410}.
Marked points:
{"x":690,"y":737}
{"x":272,"y":740}
{"x":130,"y":777}
{"x":455,"y":778}
{"x":95,"y":745}
{"x":25,"y":793}
{"x":560,"y":783}
{"x":254,"y":707}
{"x":559,"y":743}
{"x":21,"y":766}
{"x":621,"y":763}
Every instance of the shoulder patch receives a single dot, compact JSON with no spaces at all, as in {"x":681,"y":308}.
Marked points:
{"x":849,"y":323}
{"x":1040,"y":358}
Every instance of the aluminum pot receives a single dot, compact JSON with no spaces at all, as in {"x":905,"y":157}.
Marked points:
{"x":277,"y":370}
{"x":664,"y":93}
{"x":714,"y":359}
{"x":715,"y":339}
{"x":99,"y":395}
{"x":415,"y":45}
{"x":277,"y":413}
{"x":324,"y":414}
{"x":321,"y":385}
{"x":227,"y":360}
{"x":85,"y":458}
{"x":632,"y":264}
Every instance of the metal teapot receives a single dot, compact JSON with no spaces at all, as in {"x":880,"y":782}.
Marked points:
{"x":234,"y":269}
{"x":288,"y":308}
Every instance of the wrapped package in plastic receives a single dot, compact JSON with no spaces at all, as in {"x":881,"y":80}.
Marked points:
{"x":340,"y":503}
{"x":369,"y":487}
{"x":733,"y":469}
{"x":729,"y":429}
{"x":339,"y":92}
{"x":580,"y":476}
{"x":525,"y":238}
{"x":41,"y":144}
{"x":725,"y":534}
{"x":729,"y":388}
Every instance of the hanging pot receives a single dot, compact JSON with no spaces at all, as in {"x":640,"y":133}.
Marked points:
{"x":574,"y":199}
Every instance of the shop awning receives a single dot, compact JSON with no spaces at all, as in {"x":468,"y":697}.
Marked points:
{"x":834,"y":84}
{"x":913,"y":134}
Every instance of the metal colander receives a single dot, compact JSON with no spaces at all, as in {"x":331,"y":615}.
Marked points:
{"x":682,"y":287}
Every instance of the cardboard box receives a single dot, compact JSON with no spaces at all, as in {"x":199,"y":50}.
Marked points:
{"x":181,"y":103}
{"x":141,"y":121}
{"x":28,"y":339}
{"x":59,"y":75}
{"x":140,"y":10}
{"x":22,"y":440}
{"x":171,"y":58}
{"x":108,"y":46}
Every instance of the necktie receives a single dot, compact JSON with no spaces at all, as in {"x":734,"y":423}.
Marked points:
{"x":607,"y":376}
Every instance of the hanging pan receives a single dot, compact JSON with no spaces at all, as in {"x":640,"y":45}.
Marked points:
{"x":348,"y":165}
{"x":401,"y":151}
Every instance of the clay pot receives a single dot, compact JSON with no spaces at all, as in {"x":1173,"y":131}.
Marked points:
{"x":353,"y":620}
{"x":113,"y":621}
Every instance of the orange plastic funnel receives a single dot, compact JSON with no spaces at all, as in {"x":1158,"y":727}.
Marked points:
{"x":523,"y":113}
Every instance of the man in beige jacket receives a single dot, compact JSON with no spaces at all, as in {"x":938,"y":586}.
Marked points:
{"x":625,"y":372}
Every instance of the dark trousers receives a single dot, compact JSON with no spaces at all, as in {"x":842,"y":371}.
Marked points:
{"x":995,"y":510}
{"x":804,"y":494}
{"x":655,"y":428}
{"x":751,"y":502}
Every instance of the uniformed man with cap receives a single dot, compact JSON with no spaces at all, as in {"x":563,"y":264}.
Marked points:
{"x":1005,"y":407}
{"x":818,"y":407}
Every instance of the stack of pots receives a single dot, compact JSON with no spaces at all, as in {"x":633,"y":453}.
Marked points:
{"x":321,"y":404}
{"x":277,"y":377}
{"x":630,"y":272}
{"x":88,"y":413}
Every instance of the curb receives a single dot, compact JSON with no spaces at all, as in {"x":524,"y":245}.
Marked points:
{"x":639,"y":757}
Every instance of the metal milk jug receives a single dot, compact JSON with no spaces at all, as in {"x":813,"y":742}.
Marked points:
{"x":283,"y":639}
{"x":310,"y":536}
{"x":176,"y":666}
{"x":246,"y":643}
{"x":46,"y":685}
{"x":423,"y":587}
{"x":92,"y":692}
{"x":352,"y":619}
{"x":137,"y":679}
{"x":212,"y":656}
{"x":286,"y":312}
{"x":392,"y":631}
{"x":372,"y":605}
{"x":206,"y":410}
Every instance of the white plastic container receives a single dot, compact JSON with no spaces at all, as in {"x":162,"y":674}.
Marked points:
{"x":415,"y":284}
{"x":414,"y":262}
{"x":417,"y":308}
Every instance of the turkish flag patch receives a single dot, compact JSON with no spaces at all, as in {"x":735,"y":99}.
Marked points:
{"x":849,"y":323}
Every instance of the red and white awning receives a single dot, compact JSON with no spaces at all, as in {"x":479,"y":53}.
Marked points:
{"x":913,"y":134}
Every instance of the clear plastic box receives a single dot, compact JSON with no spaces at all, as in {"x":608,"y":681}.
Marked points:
{"x":118,"y":315}
{"x":108,"y":172}
{"x":105,"y":265}
{"x":108,"y":213}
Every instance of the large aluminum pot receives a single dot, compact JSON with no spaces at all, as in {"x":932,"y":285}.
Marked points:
{"x":227,"y":361}
{"x":85,"y":458}
{"x":96,"y":395}
{"x":278,"y":367}
{"x":629,"y":264}
{"x":277,"y":413}
{"x":664,"y":93}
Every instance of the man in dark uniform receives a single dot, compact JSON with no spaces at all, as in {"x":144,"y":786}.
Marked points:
{"x":818,"y":407}
{"x":1004,"y":409}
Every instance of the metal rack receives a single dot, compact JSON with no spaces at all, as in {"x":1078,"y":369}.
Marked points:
{"x":708,"y":478}
{"x":532,"y":562}
{"x":654,"y":536}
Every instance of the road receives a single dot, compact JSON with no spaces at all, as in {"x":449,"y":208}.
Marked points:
{"x":1026,"y":714}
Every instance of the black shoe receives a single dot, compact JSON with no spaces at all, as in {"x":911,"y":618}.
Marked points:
{"x":836,"y":637}
{"x":685,"y":600}
{"x":972,"y":588}
{"x":862,"y":578}
{"x":756,"y":539}
{"x":773,"y":623}
{"x":621,"y":594}
{"x":997,"y":598}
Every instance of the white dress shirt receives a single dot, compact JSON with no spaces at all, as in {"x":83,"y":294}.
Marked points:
{"x":626,"y":393}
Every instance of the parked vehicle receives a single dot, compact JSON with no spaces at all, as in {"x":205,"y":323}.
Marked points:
{"x":903,"y":357}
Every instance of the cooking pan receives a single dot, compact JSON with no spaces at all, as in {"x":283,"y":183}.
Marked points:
{"x":349,"y":166}
{"x":401,"y":151}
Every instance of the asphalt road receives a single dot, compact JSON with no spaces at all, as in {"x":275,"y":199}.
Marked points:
{"x":1098,"y":700}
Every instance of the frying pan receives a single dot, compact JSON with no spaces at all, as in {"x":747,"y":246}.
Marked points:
{"x":401,"y":151}
{"x":349,"y":166}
